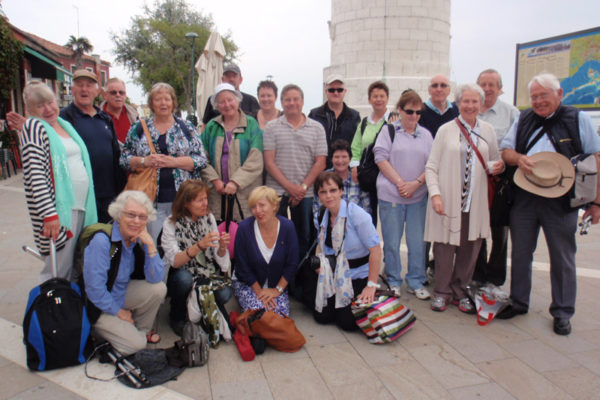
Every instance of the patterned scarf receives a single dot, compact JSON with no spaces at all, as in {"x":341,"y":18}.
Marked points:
{"x":332,"y":283}
{"x":187,"y":233}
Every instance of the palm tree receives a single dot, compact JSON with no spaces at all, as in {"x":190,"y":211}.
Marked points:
{"x":79,"y":46}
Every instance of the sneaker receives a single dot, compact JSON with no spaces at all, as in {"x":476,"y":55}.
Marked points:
{"x":465,"y":305}
{"x":495,"y":292}
{"x":396,"y":290}
{"x":439,"y":304}
{"x":421,"y":294}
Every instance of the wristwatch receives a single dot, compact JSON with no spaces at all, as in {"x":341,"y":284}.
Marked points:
{"x":279,"y":289}
{"x":373,"y":284}
{"x":143,"y":161}
{"x":304,"y":186}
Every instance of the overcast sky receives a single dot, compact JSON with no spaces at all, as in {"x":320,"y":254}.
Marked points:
{"x":289,"y":39}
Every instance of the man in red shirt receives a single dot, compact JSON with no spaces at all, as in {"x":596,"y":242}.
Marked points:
{"x":123,"y":115}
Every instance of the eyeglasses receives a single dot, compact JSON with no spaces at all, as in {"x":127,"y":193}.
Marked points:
{"x":437,"y":85}
{"x":333,"y":90}
{"x":133,"y":216}
{"x":411,"y":112}
{"x":115,"y":92}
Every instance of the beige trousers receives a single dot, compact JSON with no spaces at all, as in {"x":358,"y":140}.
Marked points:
{"x":143,"y":300}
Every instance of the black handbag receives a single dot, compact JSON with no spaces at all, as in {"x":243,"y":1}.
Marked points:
{"x":503,"y":198}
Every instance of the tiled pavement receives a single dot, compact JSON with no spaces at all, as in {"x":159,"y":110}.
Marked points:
{"x":445,"y":356}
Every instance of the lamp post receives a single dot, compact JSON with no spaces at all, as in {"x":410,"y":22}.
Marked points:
{"x":191,"y":86}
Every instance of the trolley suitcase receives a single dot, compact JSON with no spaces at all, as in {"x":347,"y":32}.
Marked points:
{"x":56,"y":329}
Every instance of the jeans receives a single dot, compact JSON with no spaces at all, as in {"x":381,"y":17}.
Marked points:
{"x":302,"y":217}
{"x":179,"y":285}
{"x":163,"y":210}
{"x":393,"y":217}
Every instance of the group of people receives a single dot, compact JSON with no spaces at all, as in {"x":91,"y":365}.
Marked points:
{"x":435,"y":159}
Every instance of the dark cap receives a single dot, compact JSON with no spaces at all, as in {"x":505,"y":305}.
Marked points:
{"x":232,"y":68}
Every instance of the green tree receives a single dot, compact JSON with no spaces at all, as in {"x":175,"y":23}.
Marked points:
{"x":11,"y":54}
{"x":79,"y":46}
{"x":154,"y":48}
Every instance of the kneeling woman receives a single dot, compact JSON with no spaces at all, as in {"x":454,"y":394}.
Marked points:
{"x":128,"y":303}
{"x":193,"y":249}
{"x":266,"y":255}
{"x":350,"y":255}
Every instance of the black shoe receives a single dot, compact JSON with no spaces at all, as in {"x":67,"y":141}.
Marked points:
{"x":177,"y":326}
{"x":562,"y":326}
{"x":258,"y":344}
{"x":509,"y":312}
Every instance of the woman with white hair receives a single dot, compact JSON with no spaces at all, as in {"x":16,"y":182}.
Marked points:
{"x":58,"y":179}
{"x":233,"y":144}
{"x":464,"y":152}
{"x":128,"y":298}
{"x":178,"y":154}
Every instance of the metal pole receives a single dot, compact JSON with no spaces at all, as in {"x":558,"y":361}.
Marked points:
{"x":193,"y":36}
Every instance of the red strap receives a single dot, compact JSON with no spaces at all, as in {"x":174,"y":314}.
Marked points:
{"x":468,"y":137}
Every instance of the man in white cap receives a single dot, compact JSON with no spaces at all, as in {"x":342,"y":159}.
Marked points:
{"x":339,"y":120}
{"x":548,"y":126}
{"x":233,"y":75}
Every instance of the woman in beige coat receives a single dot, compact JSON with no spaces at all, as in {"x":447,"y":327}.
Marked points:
{"x":457,"y":212}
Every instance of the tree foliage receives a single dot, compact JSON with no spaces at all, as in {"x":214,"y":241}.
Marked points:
{"x":11,"y":54}
{"x":154,"y":48}
{"x":79,"y":46}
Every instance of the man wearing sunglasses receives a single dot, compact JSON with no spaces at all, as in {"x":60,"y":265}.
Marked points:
{"x":438,"y":109}
{"x":339,"y":120}
{"x":122,"y":114}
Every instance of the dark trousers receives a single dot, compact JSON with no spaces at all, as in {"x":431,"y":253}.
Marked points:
{"x":302,"y":217}
{"x":342,"y":317}
{"x":494,"y":269}
{"x":528,"y":214}
{"x":373,"y":202}
{"x":102,"y":204}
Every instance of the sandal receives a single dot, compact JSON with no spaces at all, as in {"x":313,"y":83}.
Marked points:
{"x":152,"y":337}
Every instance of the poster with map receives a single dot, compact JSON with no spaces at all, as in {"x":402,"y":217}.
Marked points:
{"x":574,"y":58}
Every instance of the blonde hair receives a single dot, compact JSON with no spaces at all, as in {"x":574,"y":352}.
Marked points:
{"x":263,"y":192}
{"x":37,"y":92}
{"x":159,"y":87}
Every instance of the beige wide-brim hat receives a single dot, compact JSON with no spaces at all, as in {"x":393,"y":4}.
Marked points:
{"x":552,"y":176}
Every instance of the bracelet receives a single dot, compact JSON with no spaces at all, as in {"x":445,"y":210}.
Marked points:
{"x":188,"y":254}
{"x":420,"y":181}
{"x":143,"y":161}
{"x":198,"y":246}
{"x":595,"y":204}
{"x":373,"y":284}
{"x":279,"y":289}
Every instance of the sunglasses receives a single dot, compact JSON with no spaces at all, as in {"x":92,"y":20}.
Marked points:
{"x":333,"y":90}
{"x":442,"y":85}
{"x":115,"y":92}
{"x":411,"y":112}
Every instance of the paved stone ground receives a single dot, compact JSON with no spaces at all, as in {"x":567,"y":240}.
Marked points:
{"x":445,"y":356}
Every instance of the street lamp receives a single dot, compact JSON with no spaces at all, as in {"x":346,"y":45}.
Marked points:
{"x":191,"y":86}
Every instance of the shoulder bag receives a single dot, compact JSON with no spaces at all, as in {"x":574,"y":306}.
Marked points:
{"x":144,"y":179}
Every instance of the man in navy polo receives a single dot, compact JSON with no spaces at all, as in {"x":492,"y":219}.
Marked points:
{"x":96,"y":129}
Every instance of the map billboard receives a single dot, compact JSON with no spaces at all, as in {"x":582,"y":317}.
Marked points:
{"x":575,"y":60}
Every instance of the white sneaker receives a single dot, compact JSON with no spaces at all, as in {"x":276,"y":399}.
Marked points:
{"x":396,"y":290}
{"x":421,"y":294}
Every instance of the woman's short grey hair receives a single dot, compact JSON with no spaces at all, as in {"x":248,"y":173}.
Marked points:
{"x":37,"y":92}
{"x":465,"y":87}
{"x":545,"y":80}
{"x":115,"y":209}
{"x":159,"y":87}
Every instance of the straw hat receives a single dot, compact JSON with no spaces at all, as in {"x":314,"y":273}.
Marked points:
{"x":552,"y":176}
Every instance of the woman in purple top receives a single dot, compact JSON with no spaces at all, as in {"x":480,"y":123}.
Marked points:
{"x":402,"y":194}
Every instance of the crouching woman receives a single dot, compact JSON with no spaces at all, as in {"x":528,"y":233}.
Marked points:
{"x":123,"y":275}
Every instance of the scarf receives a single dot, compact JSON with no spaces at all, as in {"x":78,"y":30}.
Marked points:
{"x":187,"y":233}
{"x":63,"y":187}
{"x":332,"y":283}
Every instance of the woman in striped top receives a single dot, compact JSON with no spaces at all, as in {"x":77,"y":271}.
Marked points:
{"x":57,"y":179}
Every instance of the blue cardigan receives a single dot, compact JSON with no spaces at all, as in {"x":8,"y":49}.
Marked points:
{"x":250,"y":266}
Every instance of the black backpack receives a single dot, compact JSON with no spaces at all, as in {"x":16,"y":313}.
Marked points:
{"x":367,"y":169}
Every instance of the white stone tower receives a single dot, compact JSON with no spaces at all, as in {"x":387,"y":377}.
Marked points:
{"x":403,"y":42}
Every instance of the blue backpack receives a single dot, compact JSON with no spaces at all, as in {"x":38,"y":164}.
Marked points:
{"x":56,"y":329}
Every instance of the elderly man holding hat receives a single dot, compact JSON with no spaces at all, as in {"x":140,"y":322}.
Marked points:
{"x":539,"y":144}
{"x":233,"y":142}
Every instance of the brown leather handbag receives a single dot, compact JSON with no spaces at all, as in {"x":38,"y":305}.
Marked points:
{"x":278,"y":331}
{"x":144,"y":179}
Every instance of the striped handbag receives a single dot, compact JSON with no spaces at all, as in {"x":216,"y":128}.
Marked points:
{"x":384,"y":320}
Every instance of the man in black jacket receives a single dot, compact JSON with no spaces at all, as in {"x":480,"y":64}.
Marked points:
{"x":249,"y":104}
{"x":97,"y":131}
{"x":339,"y":120}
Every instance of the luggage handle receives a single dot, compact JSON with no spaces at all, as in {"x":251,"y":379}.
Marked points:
{"x":37,"y":255}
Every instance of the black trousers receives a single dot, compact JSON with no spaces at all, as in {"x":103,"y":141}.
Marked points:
{"x":494,"y":269}
{"x":342,"y":317}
